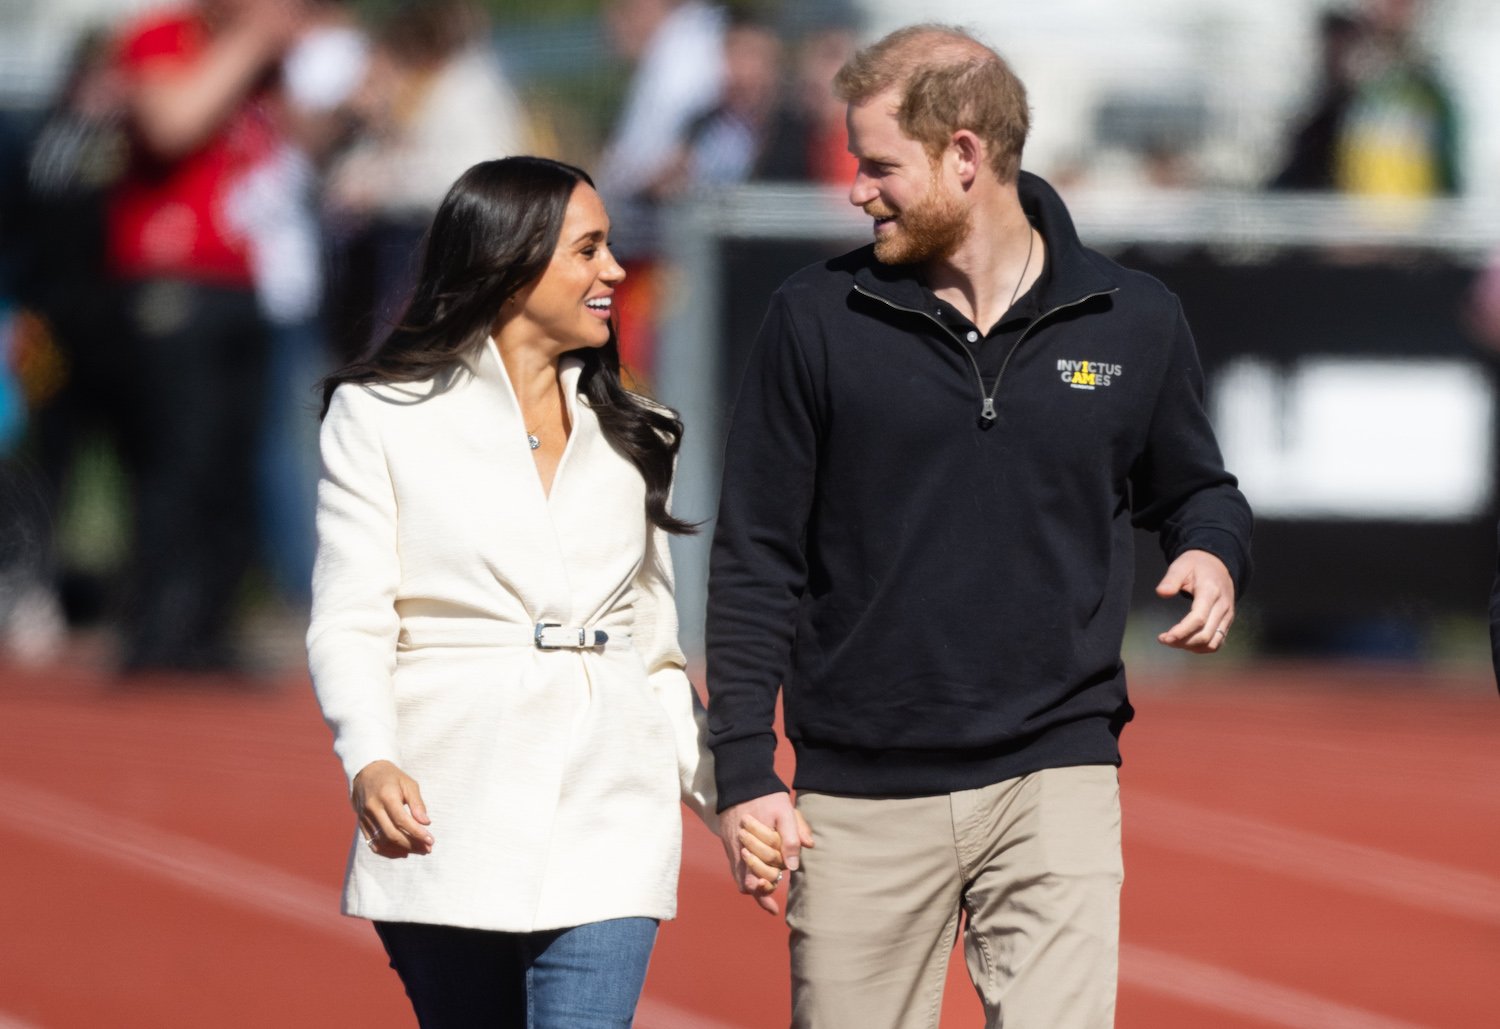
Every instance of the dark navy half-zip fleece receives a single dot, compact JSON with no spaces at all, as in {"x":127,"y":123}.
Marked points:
{"x":943,"y":596}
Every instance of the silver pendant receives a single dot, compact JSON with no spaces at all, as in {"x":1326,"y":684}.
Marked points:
{"x":533,"y":441}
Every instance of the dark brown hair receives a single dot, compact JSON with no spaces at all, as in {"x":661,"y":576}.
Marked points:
{"x":493,"y":235}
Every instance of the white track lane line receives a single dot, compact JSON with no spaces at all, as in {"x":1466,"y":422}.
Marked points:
{"x":225,"y":876}
{"x":198,"y":866}
{"x":277,"y":894}
{"x":1244,"y":996}
{"x":11,"y":1022}
{"x":1351,"y":867}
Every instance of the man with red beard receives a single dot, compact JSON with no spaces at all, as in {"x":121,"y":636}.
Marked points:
{"x":941,"y":447}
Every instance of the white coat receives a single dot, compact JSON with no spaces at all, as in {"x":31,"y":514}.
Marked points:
{"x":552,"y":777}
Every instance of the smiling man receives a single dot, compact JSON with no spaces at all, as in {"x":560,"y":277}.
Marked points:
{"x":940,"y":449}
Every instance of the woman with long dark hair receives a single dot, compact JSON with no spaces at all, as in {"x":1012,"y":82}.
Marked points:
{"x":493,"y":639}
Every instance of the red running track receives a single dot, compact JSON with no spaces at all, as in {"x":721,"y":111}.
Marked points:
{"x":1304,"y":847}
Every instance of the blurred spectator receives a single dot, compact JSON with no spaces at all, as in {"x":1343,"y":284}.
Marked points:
{"x":1382,"y":123}
{"x":21,"y":577}
{"x":196,"y":84}
{"x":1399,"y":135}
{"x":31,"y":626}
{"x":78,"y":154}
{"x":69,"y":370}
{"x":277,"y":208}
{"x":1310,"y":161}
{"x":677,"y":48}
{"x":808,"y":141}
{"x":435,"y":101}
{"x":724,"y":145}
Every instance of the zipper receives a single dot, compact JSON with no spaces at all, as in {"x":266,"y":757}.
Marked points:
{"x":987,"y":413}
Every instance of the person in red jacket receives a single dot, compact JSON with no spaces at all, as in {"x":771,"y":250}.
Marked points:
{"x":196,"y":81}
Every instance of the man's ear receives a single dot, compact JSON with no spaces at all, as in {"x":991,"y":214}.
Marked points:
{"x":967,"y":152}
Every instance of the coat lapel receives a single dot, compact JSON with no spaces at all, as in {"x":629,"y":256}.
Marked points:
{"x":522,"y":549}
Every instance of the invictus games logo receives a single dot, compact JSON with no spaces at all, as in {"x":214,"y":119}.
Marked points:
{"x":1087,"y":374}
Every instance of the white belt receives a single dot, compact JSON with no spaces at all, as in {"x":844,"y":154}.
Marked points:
{"x":552,"y":636}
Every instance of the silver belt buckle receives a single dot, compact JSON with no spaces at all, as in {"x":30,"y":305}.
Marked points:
{"x":554,"y":636}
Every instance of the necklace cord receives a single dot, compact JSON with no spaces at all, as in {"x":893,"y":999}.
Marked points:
{"x":1030,"y":244}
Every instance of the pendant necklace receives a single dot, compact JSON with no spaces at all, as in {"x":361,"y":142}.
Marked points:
{"x":531,"y":440}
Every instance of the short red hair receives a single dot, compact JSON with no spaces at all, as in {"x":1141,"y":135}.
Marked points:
{"x":946,"y":81}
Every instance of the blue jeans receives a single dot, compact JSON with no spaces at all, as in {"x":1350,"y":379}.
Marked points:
{"x":586,"y":977}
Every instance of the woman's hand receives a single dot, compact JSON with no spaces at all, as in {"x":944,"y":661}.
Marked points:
{"x":760,"y":846}
{"x":390,"y":809}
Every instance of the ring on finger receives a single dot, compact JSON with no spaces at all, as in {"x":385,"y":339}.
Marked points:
{"x":1221,"y":632}
{"x":777,"y":880}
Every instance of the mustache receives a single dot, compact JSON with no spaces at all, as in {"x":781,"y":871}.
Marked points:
{"x":876,"y":209}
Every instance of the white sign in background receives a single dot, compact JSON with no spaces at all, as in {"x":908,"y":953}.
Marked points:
{"x":1325,"y":438}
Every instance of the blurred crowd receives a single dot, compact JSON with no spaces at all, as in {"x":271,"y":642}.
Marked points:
{"x":225,"y":200}
{"x":1379,"y":118}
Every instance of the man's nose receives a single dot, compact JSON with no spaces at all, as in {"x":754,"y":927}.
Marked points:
{"x":862,"y":190}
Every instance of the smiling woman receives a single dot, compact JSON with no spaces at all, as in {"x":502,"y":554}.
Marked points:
{"x":493,"y":620}
{"x":517,"y":259}
{"x":568,"y":307}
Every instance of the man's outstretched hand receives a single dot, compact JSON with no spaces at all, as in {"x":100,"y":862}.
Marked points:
{"x":1204,"y":577}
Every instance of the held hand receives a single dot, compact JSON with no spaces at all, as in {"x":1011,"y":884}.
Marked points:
{"x":760,"y":849}
{"x":761,"y":837}
{"x":391,"y":814}
{"x":1204,"y":577}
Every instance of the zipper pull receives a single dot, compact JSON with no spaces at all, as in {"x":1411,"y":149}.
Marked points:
{"x":988,"y":414}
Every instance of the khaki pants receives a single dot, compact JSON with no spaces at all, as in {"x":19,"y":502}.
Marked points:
{"x":1034,"y":865}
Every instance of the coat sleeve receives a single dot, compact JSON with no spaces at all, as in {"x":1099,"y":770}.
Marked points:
{"x":351,"y":641}
{"x":655,"y":628}
{"x":758,"y":567}
{"x":1179,"y":486}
